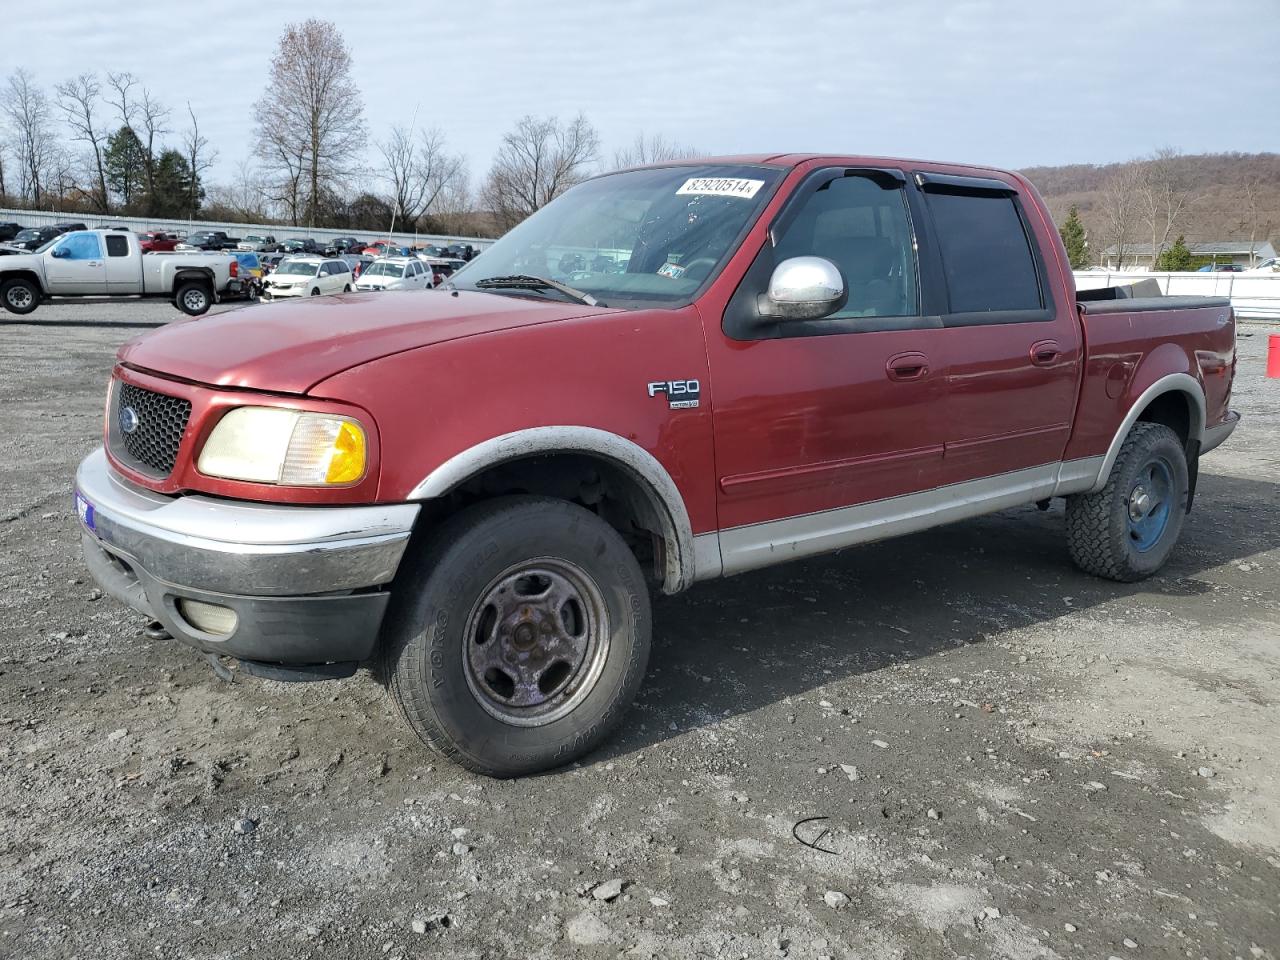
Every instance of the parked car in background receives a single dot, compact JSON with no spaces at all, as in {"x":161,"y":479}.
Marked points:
{"x":442,"y":268}
{"x":257,"y":243}
{"x":429,"y":250}
{"x":209,"y":240}
{"x":1221,"y":268}
{"x":340,"y":245}
{"x":358,"y":262}
{"x":463,"y":251}
{"x":307,"y":277}
{"x":33,"y":238}
{"x":252,"y":272}
{"x":8,"y":231}
{"x":157,"y":242}
{"x":300,"y":245}
{"x":395,"y":273}
{"x":382,"y":248}
{"x":69,"y":225}
{"x":110,"y":263}
{"x":270,"y":261}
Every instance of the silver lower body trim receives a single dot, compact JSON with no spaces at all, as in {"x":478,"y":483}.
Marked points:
{"x":764,"y":544}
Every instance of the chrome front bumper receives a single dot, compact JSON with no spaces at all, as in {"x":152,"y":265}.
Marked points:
{"x":308,"y":584}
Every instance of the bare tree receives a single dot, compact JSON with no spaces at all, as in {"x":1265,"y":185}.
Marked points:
{"x":538,"y":160}
{"x":1164,"y":196}
{"x":79,"y":99}
{"x":418,"y":171}
{"x":1119,"y":208}
{"x":310,"y":114}
{"x":453,"y":211}
{"x":200,"y":157}
{"x":27,"y":109}
{"x":1254,"y":185}
{"x":152,"y":117}
{"x":652,"y":148}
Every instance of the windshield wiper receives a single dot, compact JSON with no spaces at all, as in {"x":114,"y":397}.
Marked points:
{"x":521,"y":281}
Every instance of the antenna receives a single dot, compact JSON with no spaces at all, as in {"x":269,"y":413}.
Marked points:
{"x":395,"y":207}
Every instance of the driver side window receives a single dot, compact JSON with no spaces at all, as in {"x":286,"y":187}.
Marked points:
{"x":81,"y":246}
{"x":863,"y":228}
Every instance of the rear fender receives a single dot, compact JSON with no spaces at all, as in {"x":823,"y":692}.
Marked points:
{"x":1180,"y":383}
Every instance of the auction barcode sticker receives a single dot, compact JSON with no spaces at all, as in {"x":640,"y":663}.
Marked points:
{"x":721,"y":187}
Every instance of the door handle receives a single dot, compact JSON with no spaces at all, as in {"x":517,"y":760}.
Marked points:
{"x":95,"y":263}
{"x":1044,"y":353}
{"x":907,"y":366}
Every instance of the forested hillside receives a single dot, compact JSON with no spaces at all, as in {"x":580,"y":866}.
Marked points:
{"x":1228,"y":196}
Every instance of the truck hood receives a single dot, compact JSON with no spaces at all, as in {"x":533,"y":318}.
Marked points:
{"x":290,"y":347}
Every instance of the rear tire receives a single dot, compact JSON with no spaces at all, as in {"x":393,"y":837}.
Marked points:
{"x":347,"y":288}
{"x":520,"y":635}
{"x":20,"y":296}
{"x":1127,"y":530}
{"x":193,"y":299}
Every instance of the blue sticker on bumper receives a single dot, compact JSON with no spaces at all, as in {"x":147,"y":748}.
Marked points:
{"x":84,"y":509}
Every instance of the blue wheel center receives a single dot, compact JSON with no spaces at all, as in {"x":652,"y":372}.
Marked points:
{"x":1148,"y":506}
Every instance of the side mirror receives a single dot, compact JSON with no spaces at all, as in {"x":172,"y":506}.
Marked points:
{"x":804,"y":288}
{"x":58,"y":252}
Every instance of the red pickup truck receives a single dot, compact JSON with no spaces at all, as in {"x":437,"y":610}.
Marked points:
{"x":669,"y":374}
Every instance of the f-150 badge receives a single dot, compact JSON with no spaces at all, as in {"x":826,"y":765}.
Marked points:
{"x":680,"y":394}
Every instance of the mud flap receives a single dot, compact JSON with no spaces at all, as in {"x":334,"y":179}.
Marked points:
{"x":1193,"y":470}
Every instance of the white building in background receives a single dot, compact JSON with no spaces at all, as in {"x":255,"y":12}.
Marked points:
{"x":1138,"y":255}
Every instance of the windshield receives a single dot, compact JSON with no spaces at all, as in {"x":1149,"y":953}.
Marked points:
{"x":382,"y":269}
{"x":643,"y":235}
{"x":297,"y":268}
{"x":253,"y":238}
{"x":28,"y":235}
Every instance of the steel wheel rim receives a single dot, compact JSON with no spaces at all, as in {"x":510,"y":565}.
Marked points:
{"x":1148,"y":507}
{"x":19,"y":297}
{"x":193,"y":300}
{"x":535,"y":642}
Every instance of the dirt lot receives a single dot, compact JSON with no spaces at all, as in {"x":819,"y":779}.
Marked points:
{"x":1013,"y":760}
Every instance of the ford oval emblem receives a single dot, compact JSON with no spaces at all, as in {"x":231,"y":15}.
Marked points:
{"x":129,"y":419}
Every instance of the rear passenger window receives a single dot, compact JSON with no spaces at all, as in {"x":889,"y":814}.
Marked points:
{"x":117,"y":247}
{"x":862,"y":227}
{"x":986,"y":255}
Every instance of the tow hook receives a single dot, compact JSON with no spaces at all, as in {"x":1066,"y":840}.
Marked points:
{"x":155,"y":630}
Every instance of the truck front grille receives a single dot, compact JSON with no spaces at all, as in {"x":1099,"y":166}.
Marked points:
{"x":149,"y":427}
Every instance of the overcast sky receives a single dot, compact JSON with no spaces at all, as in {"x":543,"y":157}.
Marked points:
{"x":1007,"y":83}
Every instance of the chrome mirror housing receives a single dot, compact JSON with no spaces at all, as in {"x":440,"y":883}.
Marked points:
{"x":804,"y":288}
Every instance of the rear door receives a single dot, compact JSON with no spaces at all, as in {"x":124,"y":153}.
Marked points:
{"x":1013,"y":342}
{"x":122,"y":267}
{"x":74,"y":265}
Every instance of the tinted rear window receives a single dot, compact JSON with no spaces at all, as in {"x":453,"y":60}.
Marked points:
{"x":985,"y":253}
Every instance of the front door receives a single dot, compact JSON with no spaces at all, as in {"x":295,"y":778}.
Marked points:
{"x":824,"y":429}
{"x":74,"y":265}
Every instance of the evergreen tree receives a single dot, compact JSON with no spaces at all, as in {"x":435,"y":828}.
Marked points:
{"x":126,"y":164}
{"x":1176,"y":258}
{"x":1073,"y":238}
{"x":174,"y":186}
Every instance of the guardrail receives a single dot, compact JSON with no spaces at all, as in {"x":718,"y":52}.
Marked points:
{"x":39,"y":218}
{"x":1253,"y":296}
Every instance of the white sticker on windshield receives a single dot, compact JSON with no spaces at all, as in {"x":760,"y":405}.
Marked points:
{"x":721,"y":187}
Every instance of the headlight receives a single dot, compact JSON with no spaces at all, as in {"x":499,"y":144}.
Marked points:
{"x":289,"y":447}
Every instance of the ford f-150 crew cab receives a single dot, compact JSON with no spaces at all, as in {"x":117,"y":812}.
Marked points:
{"x":111,"y":263}
{"x":668,"y":374}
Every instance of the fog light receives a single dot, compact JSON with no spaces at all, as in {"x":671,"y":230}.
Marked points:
{"x":209,"y":617}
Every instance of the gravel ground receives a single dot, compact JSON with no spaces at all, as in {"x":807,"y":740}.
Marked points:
{"x":948,"y":745}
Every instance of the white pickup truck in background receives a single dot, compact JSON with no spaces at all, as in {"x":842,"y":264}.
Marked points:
{"x":111,"y":263}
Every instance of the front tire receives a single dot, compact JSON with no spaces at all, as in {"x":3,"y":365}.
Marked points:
{"x":521,"y":635}
{"x":20,"y":296}
{"x":315,"y":291}
{"x":193,"y":299}
{"x":1127,"y":530}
